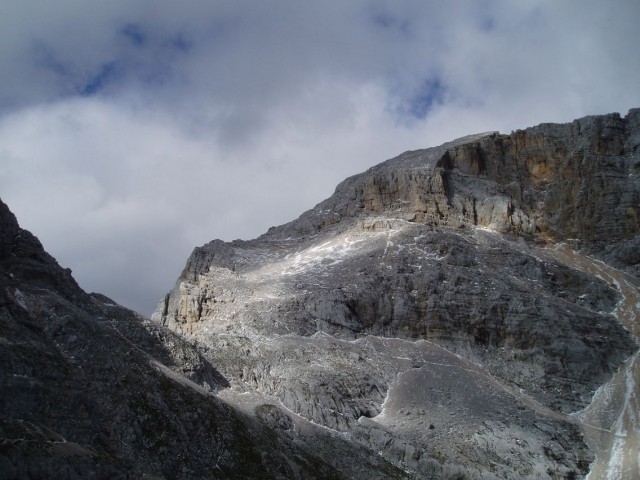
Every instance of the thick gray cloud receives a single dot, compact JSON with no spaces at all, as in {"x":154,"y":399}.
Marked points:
{"x":132,"y":131}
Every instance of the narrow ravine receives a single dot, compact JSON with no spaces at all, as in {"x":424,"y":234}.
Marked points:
{"x":611,"y":422}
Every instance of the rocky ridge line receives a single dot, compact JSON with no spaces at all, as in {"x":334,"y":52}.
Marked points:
{"x":570,"y":182}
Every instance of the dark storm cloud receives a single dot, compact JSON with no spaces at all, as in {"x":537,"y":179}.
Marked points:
{"x":131,"y":131}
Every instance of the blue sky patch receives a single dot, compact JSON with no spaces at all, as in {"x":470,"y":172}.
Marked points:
{"x":388,"y":21}
{"x":98,"y":82}
{"x":44,"y":57}
{"x":180,"y":43}
{"x":487,"y":24}
{"x":135,"y":34}
{"x":430,"y":93}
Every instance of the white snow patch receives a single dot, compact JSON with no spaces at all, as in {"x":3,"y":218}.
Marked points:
{"x":327,"y":254}
{"x":616,"y":460}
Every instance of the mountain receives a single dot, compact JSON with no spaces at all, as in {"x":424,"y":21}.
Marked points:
{"x":464,"y":311}
{"x":89,"y":389}
{"x":454,"y":309}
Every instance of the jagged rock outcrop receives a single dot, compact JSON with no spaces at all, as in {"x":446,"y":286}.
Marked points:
{"x":448,"y":250}
{"x":551,"y":182}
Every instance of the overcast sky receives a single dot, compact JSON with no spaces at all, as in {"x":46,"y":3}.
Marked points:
{"x":132,"y":131}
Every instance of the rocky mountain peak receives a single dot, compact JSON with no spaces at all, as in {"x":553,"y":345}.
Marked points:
{"x":550,"y":183}
{"x":447,"y":255}
{"x":21,"y":253}
{"x":463,"y":311}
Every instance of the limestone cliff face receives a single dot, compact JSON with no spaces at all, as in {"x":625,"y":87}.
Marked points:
{"x":550,"y":182}
{"x":372,"y":313}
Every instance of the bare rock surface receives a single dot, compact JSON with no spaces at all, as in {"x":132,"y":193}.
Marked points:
{"x":417,"y":312}
{"x":89,"y":389}
{"x":464,"y":311}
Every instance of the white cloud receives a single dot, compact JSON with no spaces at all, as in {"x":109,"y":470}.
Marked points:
{"x":131,"y":132}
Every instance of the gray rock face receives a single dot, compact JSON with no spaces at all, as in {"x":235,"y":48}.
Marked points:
{"x":419,"y":310}
{"x":420,"y":323}
{"x":89,"y":389}
{"x":550,"y":182}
